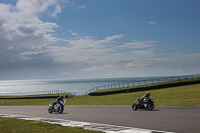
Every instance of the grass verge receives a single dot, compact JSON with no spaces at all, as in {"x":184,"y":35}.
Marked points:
{"x":175,"y":96}
{"x":187,"y":95}
{"x":12,"y":125}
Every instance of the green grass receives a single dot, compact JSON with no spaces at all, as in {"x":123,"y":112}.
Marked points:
{"x":179,"y":96}
{"x":25,"y":102}
{"x":12,"y":125}
{"x":187,"y":95}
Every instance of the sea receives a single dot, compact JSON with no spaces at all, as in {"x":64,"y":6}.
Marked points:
{"x":77,"y":86}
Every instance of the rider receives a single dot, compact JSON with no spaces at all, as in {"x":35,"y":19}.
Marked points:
{"x":58,"y":100}
{"x":146,"y":95}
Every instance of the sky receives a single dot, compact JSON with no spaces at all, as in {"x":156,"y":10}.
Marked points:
{"x":76,"y":39}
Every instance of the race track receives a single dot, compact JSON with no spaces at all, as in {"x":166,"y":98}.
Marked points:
{"x":165,"y":118}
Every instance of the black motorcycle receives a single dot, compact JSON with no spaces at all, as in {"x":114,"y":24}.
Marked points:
{"x":145,"y":103}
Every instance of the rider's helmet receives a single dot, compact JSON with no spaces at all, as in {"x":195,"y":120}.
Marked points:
{"x":148,"y":94}
{"x":61,"y":96}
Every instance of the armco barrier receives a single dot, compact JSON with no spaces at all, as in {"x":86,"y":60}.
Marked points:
{"x":145,"y":88}
{"x":143,"y":82}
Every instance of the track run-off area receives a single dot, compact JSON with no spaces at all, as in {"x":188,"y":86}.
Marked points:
{"x":179,"y":119}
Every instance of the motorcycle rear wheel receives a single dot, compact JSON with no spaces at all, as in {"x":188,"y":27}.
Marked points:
{"x":60,"y":110}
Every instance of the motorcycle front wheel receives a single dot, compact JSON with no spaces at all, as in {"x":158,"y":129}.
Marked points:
{"x":150,"y":106}
{"x":50,"y":109}
{"x":134,"y":107}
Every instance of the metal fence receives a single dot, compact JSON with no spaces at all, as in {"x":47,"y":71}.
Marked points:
{"x":143,"y":82}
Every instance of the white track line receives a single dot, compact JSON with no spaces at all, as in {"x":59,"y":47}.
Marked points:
{"x":86,"y":125}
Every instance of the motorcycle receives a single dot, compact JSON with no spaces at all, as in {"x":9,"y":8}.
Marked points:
{"x":146,"y":103}
{"x":58,"y":107}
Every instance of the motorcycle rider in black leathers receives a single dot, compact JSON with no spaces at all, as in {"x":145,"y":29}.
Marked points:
{"x":146,"y":95}
{"x":58,"y":100}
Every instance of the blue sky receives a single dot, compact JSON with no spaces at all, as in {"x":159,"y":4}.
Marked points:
{"x":98,"y":38}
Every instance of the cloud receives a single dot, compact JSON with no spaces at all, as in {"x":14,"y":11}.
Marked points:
{"x":73,"y":33}
{"x":151,"y":22}
{"x":81,"y":7}
{"x":21,"y":21}
{"x":83,"y":49}
{"x":113,"y":37}
{"x":36,"y":7}
{"x":138,"y":44}
{"x":98,"y":69}
{"x":95,"y":57}
{"x":24,"y":37}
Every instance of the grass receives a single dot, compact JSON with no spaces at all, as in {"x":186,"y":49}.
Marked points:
{"x":12,"y":125}
{"x":179,"y":96}
{"x":187,"y":95}
{"x":25,"y":102}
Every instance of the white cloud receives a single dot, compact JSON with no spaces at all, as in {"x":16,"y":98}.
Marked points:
{"x":84,"y":50}
{"x":130,"y":64}
{"x":151,"y":22}
{"x":104,"y":58}
{"x":21,"y":21}
{"x":35,"y":7}
{"x":24,"y":37}
{"x":113,"y":37}
{"x":89,"y":42}
{"x":81,"y":7}
{"x":95,"y":69}
{"x":73,"y":33}
{"x":138,"y":44}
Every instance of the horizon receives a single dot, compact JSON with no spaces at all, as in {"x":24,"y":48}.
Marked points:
{"x":96,"y":78}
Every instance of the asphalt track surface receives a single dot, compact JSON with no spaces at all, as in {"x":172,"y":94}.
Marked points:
{"x":178,"y":119}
